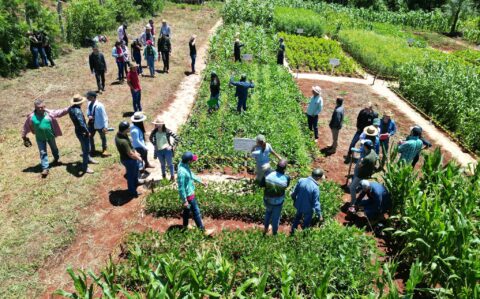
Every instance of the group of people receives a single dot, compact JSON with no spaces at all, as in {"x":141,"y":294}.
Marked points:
{"x":40,"y":46}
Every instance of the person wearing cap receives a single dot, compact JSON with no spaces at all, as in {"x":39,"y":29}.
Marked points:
{"x":122,"y":33}
{"x":98,"y":67}
{"x":43,"y":124}
{"x":186,"y":190}
{"x":426,"y":143}
{"x":388,"y":128}
{"x":164,"y":142}
{"x":275,"y":183}
{"x":241,"y":91}
{"x":81,"y":130}
{"x":147,"y":35}
{"x":369,"y":133}
{"x":261,"y":153}
{"x":314,"y":108}
{"x":193,"y":51}
{"x":165,"y":48}
{"x":377,"y":202}
{"x":97,"y":122}
{"x":306,"y":199}
{"x":134,"y":83}
{"x":335,"y":124}
{"x":363,"y":169}
{"x":120,"y":58}
{"x":136,"y":48}
{"x":214,"y":102}
{"x":137,"y":132}
{"x":364,"y":119}
{"x":412,"y":147}
{"x":128,"y":157}
{"x":237,"y":50}
{"x":165,"y":29}
{"x":281,"y":51}
{"x":150,"y":54}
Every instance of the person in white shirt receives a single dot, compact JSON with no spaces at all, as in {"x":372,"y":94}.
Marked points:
{"x":97,"y":122}
{"x":122,"y":33}
{"x":165,"y":29}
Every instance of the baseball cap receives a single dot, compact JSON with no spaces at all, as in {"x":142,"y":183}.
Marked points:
{"x":189,"y":156}
{"x":365,"y":184}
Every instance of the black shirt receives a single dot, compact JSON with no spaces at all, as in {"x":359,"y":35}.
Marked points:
{"x":193,"y":49}
{"x":365,"y":119}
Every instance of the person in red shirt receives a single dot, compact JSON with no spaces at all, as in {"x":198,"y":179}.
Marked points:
{"x":134,"y":82}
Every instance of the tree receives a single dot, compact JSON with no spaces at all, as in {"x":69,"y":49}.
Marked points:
{"x":456,"y":8}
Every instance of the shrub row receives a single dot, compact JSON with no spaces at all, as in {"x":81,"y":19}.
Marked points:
{"x":290,"y":20}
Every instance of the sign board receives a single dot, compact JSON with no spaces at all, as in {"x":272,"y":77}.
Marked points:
{"x":477,"y":47}
{"x":410,"y":41}
{"x":334,"y":62}
{"x":299,"y":30}
{"x":243,"y":144}
{"x":247,"y":57}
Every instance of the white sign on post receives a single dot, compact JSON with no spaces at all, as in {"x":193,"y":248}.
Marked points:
{"x":247,"y":57}
{"x":299,"y":30}
{"x":334,"y":62}
{"x":243,"y":144}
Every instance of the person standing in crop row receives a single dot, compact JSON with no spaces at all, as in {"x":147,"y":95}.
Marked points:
{"x":315,"y":106}
{"x":241,"y":91}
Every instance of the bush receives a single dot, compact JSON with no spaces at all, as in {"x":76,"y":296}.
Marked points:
{"x":124,"y":10}
{"x":291,"y":19}
{"x":149,"y":7}
{"x":258,"y":12}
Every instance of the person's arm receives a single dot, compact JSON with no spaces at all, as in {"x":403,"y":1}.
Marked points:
{"x":57,"y":113}
{"x":276,"y":155}
{"x":104,"y":62}
{"x":152,"y":137}
{"x":360,"y":197}
{"x":114,"y":52}
{"x":251,"y":85}
{"x":426,"y":143}
{"x":169,"y":46}
{"x":27,"y":127}
{"x":155,"y":53}
{"x":197,"y":179}
{"x":181,"y":188}
{"x":393,"y":128}
{"x":175,"y":137}
{"x":81,"y":121}
{"x":136,"y":137}
{"x":233,"y":83}
{"x":294,"y":193}
{"x":90,"y":62}
{"x":317,"y":207}
{"x":104,"y":116}
{"x":134,"y":155}
{"x":145,"y":53}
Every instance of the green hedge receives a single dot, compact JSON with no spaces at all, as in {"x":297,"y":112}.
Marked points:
{"x":290,"y":19}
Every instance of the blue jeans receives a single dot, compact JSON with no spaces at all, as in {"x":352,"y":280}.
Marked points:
{"x":313,"y":124}
{"x":121,"y":66}
{"x":272,"y":215}
{"x":34,"y":51}
{"x":42,"y":148}
{"x":85,"y":144}
{"x":103,"y":137}
{"x":194,"y":58}
{"x":307,"y":220}
{"x":166,"y":156}
{"x":43,"y":55}
{"x":355,"y":139}
{"x":136,"y":97}
{"x":132,"y":168}
{"x":197,"y":216}
{"x":151,"y":65}
{"x":242,"y":103}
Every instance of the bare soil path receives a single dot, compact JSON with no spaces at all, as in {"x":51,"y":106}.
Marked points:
{"x":41,"y":218}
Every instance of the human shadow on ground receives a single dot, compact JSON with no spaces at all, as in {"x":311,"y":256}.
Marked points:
{"x":117,"y":83}
{"x":188,"y":73}
{"x":160,"y":71}
{"x":119,"y":198}
{"x":127,"y":114}
{"x":73,"y":168}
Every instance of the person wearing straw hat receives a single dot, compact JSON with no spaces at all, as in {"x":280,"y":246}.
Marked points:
{"x":81,"y":130}
{"x":364,"y":119}
{"x":275,"y":183}
{"x":147,"y":35}
{"x":165,"y":29}
{"x":150,"y":54}
{"x":137,"y":132}
{"x":363,"y":169}
{"x":165,"y":48}
{"x":129,"y":158}
{"x":97,"y":122}
{"x":237,"y":50}
{"x":134,"y":83}
{"x":306,"y":199}
{"x":314,"y":108}
{"x":388,"y":128}
{"x":193,"y":51}
{"x":164,"y":142}
{"x":43,"y":124}
{"x":374,"y":139}
{"x":369,"y":133}
{"x":186,"y":189}
{"x":261,"y":153}
{"x":214,"y":102}
{"x":377,"y":202}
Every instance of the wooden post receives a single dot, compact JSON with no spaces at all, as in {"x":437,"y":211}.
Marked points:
{"x":60,"y":19}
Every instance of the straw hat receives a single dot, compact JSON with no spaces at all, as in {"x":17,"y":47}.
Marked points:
{"x":148,"y":26}
{"x":158,"y":121}
{"x":77,"y":99}
{"x":317,"y":89}
{"x":388,"y":113}
{"x":138,"y":117}
{"x":370,"y":131}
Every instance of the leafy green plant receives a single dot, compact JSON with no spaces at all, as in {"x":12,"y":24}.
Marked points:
{"x":290,"y":19}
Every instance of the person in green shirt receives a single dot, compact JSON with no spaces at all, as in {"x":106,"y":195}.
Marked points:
{"x":43,"y":123}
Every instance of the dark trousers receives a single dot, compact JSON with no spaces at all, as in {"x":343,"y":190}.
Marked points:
{"x":280,"y":58}
{"x":103,"y":137}
{"x":415,"y":160}
{"x":131,"y":166}
{"x":197,"y":216}
{"x":136,"y":98}
{"x":100,"y":77}
{"x":144,"y":154}
{"x":194,"y":58}
{"x":121,"y":70}
{"x":166,"y":61}
{"x":313,"y":124}
{"x":85,"y":144}
{"x":242,"y":104}
{"x":355,"y":139}
{"x":48,"y":52}
{"x":238,"y":58}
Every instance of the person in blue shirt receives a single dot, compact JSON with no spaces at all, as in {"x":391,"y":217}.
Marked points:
{"x":241,"y":91}
{"x":137,"y":132}
{"x":412,"y":147}
{"x":306,"y":199}
{"x":97,"y":122}
{"x":314,"y":108}
{"x":388,"y":128}
{"x":81,"y":130}
{"x":275,"y":185}
{"x":377,"y":202}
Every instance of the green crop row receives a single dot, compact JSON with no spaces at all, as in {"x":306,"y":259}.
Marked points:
{"x":472,"y":56}
{"x":448,"y":92}
{"x":335,"y":260}
{"x":273,"y":107}
{"x":436,"y":222}
{"x":240,"y":201}
{"x":291,"y":19}
{"x":314,"y":54}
